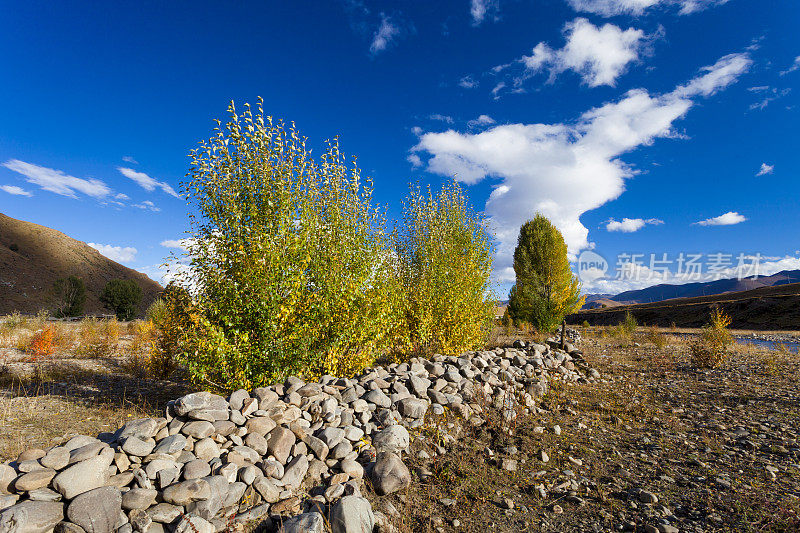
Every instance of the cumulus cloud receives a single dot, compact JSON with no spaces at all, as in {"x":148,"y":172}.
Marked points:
{"x":57,"y":181}
{"x":765,"y":169}
{"x":629,"y":225}
{"x":16,"y":191}
{"x":561,"y":170}
{"x":610,"y":8}
{"x":598,"y":54}
{"x":146,"y":182}
{"x":727,"y":219}
{"x":480,"y":9}
{"x":115,"y":253}
{"x":386,"y":33}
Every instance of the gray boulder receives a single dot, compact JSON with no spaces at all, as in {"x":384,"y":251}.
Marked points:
{"x":83,"y":477}
{"x":304,"y":523}
{"x":31,"y":517}
{"x":352,"y":514}
{"x":392,"y":439}
{"x":96,"y":511}
{"x":389,"y":474}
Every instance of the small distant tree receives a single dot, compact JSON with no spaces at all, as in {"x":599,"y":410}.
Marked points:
{"x":546,"y":289}
{"x":122,"y":296}
{"x":70,"y":296}
{"x":710,"y":349}
{"x":444,"y":253}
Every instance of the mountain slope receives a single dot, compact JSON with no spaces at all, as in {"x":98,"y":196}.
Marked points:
{"x":775,"y":307}
{"x":32,"y":257}
{"x":664,"y":291}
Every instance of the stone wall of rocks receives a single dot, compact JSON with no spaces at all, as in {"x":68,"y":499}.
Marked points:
{"x":293,"y":455}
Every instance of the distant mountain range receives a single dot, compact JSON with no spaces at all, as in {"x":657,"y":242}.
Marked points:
{"x":664,"y":291}
{"x":32,"y":257}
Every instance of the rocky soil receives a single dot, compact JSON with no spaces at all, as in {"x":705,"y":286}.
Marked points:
{"x":614,"y":436}
{"x":655,"y":446}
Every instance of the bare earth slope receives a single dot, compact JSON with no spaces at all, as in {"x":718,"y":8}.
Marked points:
{"x":766,"y":308}
{"x":42,"y":256}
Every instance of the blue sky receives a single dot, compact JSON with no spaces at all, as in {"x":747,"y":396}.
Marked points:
{"x":638,"y":126}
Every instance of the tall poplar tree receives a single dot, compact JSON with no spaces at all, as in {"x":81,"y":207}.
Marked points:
{"x":546,"y":289}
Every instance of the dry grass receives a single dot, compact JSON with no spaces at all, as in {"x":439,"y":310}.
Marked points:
{"x":93,"y":376}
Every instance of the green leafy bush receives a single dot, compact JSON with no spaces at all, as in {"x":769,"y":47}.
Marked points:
{"x":122,"y":296}
{"x":290,"y":269}
{"x":444,"y":253}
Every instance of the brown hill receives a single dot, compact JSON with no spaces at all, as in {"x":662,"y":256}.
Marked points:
{"x":765,"y":308}
{"x":32,"y":257}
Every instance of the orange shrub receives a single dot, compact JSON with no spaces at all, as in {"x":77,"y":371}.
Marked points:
{"x":41,"y":343}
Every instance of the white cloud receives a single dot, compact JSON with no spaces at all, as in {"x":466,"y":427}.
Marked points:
{"x":497,"y":88}
{"x":765,"y":169}
{"x":16,"y":191}
{"x":769,"y":94}
{"x":384,"y":35}
{"x":415,"y":160}
{"x":121,"y":196}
{"x":642,"y":276}
{"x":182,"y":244}
{"x":129,"y":159}
{"x":598,"y":54}
{"x":467,"y":82}
{"x":146,"y":182}
{"x":610,"y":8}
{"x":482,"y":120}
{"x":795,"y":65}
{"x":717,"y":76}
{"x":115,"y":253}
{"x":147,"y":205}
{"x":479,"y":9}
{"x":441,"y":118}
{"x":58,"y":182}
{"x":561,"y":170}
{"x":726,"y":219}
{"x":629,"y":225}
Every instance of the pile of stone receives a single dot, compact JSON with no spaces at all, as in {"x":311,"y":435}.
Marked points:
{"x":293,"y":455}
{"x":571,"y":335}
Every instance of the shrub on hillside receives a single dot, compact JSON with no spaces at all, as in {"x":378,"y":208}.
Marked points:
{"x":711,"y":347}
{"x":122,"y":296}
{"x":290,"y":271}
{"x":70,"y":296}
{"x":444,"y":254}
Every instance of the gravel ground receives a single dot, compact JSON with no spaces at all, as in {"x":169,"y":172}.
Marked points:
{"x":658,"y":446}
